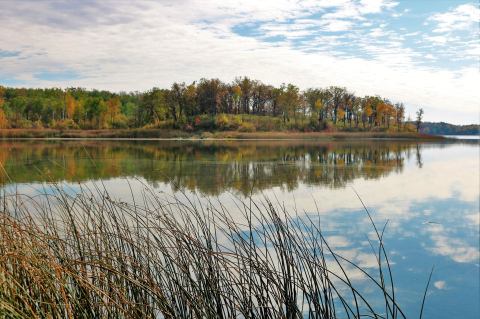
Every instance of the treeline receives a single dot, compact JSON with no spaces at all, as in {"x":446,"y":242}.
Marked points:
{"x":443,"y":128}
{"x":206,"y":104}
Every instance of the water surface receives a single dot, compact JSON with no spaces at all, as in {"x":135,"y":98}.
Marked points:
{"x":428,"y":193}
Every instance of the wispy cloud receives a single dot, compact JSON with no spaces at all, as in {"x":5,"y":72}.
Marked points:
{"x":463,"y":17}
{"x":123,"y":45}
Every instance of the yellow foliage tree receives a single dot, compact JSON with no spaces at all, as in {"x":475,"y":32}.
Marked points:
{"x":341,"y":114}
{"x":71,"y":105}
{"x":3,"y":118}
{"x":319,"y":108}
{"x":380,"y":113}
{"x":237,"y":94}
{"x":113,"y":109}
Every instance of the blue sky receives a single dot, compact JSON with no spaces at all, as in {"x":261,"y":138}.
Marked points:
{"x":423,"y":53}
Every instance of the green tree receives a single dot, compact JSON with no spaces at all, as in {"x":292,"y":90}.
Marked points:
{"x":288,"y":100}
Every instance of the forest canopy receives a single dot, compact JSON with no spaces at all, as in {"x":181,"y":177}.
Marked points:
{"x":207,"y":104}
{"x":443,"y":128}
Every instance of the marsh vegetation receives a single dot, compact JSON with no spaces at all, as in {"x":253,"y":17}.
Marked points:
{"x":87,"y":255}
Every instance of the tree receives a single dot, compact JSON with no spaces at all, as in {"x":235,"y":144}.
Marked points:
{"x":348,"y":103}
{"x":288,"y":100}
{"x":399,"y":115}
{"x":176,"y":101}
{"x":208,"y":96}
{"x":337,"y":94}
{"x":113,"y":110}
{"x":236,"y":96}
{"x":367,"y":111}
{"x":246,"y":86}
{"x":3,"y":117}
{"x":181,"y":103}
{"x":315,"y":99}
{"x":17,"y":106}
{"x":71,"y":104}
{"x":190,"y":96}
{"x":380,"y":113}
{"x":262,"y":98}
{"x":341,"y":115}
{"x":319,"y":108}
{"x":153,"y":107}
{"x":418,"y":121}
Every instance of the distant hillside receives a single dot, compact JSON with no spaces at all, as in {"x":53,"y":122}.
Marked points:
{"x":442,"y":128}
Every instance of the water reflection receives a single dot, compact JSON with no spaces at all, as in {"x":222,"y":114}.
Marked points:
{"x":429,"y":193}
{"x":210,"y":167}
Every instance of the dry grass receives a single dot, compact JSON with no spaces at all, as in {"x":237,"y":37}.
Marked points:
{"x":85,"y":255}
{"x":175,"y":133}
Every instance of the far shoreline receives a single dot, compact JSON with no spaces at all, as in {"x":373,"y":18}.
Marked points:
{"x":170,"y":134}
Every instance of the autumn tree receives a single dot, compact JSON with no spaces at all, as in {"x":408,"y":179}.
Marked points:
{"x":181,"y":104}
{"x":190,"y":98}
{"x":113,"y":110}
{"x":367,"y":111}
{"x":176,"y":101}
{"x":316,"y":102}
{"x":3,"y":117}
{"x":236,"y":96}
{"x":71,"y":105}
{"x":341,"y":114}
{"x":337,"y":94}
{"x":288,"y":100}
{"x":246,"y":86}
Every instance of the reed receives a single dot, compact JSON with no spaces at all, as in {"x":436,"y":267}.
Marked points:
{"x":66,"y":254}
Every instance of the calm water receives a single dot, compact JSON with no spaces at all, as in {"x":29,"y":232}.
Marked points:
{"x":428,"y":192}
{"x":463,"y":137}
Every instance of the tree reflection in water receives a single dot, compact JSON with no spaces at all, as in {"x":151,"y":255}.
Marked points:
{"x":211,"y":167}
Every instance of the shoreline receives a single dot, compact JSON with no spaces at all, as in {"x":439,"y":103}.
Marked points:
{"x":170,"y":134}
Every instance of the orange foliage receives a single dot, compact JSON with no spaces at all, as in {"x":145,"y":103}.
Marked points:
{"x":71,"y":105}
{"x":341,"y":114}
{"x":113,"y":108}
{"x":3,"y":119}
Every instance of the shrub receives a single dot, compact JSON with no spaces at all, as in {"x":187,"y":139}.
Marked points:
{"x":22,"y":123}
{"x":235,"y":121}
{"x":37,"y":124}
{"x":247,"y":127}
{"x":204,"y":122}
{"x":120,"y":121}
{"x":197,"y":121}
{"x":222,"y":122}
{"x":65,"y":124}
{"x":188,"y":128}
{"x":330,"y":127}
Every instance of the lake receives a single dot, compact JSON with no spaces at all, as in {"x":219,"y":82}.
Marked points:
{"x":428,"y":193}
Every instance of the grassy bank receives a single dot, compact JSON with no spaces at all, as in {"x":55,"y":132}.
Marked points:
{"x":175,"y":133}
{"x":86,"y":255}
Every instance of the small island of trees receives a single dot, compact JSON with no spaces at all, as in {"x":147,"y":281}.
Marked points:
{"x":244,"y":105}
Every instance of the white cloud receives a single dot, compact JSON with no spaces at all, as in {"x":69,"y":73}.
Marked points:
{"x":454,"y":248}
{"x":134,"y":46}
{"x":439,"y":39}
{"x":337,"y":25}
{"x":473,"y":218}
{"x":376,"y":6}
{"x":463,"y":17}
{"x":338,"y":241}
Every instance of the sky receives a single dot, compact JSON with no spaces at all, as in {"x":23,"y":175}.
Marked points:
{"x":422,"y":53}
